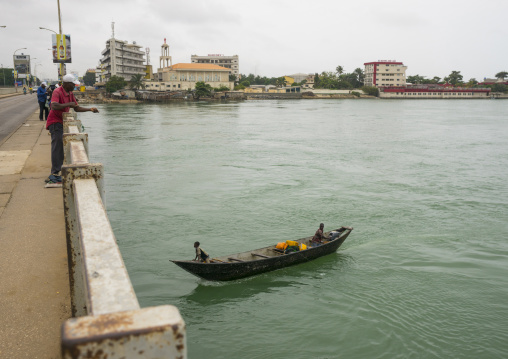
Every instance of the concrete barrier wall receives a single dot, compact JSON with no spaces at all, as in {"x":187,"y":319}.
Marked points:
{"x":8,"y":90}
{"x":108,"y":319}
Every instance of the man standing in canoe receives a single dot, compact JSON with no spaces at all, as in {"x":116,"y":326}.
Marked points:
{"x":201,"y":254}
{"x":317,"y":240}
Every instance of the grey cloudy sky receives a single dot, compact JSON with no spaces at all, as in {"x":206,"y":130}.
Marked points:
{"x":272,"y":37}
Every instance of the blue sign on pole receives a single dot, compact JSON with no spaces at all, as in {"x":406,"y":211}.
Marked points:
{"x":19,"y":83}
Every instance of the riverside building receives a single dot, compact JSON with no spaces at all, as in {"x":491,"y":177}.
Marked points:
{"x":120,"y":58}
{"x":184,"y":76}
{"x":433,"y":91}
{"x":230,"y":62}
{"x":385,"y":73}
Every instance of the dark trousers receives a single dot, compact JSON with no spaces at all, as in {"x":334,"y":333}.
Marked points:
{"x":57,"y":151}
{"x":42,"y":109}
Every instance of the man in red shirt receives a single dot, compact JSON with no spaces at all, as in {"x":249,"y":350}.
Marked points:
{"x":62,"y":101}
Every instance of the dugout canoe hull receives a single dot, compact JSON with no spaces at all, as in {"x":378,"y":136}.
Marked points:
{"x":246,"y":264}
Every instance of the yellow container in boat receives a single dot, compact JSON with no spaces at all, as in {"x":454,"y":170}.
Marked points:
{"x":292,"y":243}
{"x":281,"y":246}
{"x":303,"y":247}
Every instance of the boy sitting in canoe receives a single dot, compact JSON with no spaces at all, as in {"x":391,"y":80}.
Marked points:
{"x":201,"y":254}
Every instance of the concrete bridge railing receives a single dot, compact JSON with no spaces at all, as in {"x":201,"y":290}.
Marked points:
{"x":108,"y":321}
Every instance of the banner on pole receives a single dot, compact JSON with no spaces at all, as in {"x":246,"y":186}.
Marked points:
{"x":21,"y":66}
{"x":61,"y":48}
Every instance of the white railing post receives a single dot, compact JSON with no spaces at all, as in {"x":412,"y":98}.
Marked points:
{"x":74,"y":249}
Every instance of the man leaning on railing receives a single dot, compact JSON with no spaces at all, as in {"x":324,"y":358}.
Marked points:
{"x":62,"y":101}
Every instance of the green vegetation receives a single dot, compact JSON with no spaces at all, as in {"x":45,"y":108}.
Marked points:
{"x":370,"y":90}
{"x":339,"y":80}
{"x":136,"y":82}
{"x":89,"y":78}
{"x":355,"y":93}
{"x":202,"y":90}
{"x":455,"y":78}
{"x":416,"y":79}
{"x":472,"y":82}
{"x":222,"y":88}
{"x":501,"y":75}
{"x":115,"y":83}
{"x":499,"y":88}
{"x":6,"y":77}
{"x":281,"y":81}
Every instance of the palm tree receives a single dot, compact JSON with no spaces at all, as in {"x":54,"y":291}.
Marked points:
{"x":340,"y":70}
{"x":455,"y":78}
{"x":281,"y":81}
{"x":501,"y":75}
{"x":136,"y":82}
{"x":472,"y":82}
{"x":361,"y":77}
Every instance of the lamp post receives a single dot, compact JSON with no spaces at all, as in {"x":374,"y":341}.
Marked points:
{"x":61,"y":67}
{"x":14,"y":66}
{"x":31,"y":60}
{"x":35,"y":72}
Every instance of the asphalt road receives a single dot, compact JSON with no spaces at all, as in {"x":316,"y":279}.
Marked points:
{"x":14,"y":111}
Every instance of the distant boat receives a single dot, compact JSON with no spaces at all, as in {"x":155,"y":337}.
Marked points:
{"x":246,"y":264}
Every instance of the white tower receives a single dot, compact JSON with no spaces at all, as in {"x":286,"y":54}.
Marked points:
{"x":165,"y":59}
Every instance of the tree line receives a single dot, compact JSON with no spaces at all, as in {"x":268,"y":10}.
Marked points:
{"x":455,"y":78}
{"x":337,"y":80}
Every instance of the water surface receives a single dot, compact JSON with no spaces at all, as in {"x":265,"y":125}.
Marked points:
{"x":423,"y":275}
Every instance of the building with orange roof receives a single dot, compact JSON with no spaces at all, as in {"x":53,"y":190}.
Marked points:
{"x":184,"y":76}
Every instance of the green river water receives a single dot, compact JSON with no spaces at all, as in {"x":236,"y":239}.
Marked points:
{"x":424,"y":274}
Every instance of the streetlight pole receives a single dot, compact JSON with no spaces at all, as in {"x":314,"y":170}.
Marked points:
{"x":14,"y":66}
{"x":31,"y":60}
{"x":35,"y":72}
{"x":60,"y":71}
{"x":60,"y":29}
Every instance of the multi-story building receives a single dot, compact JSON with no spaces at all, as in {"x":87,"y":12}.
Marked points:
{"x":99,"y":74}
{"x":385,"y":73}
{"x":229,"y":62}
{"x":122,"y":59}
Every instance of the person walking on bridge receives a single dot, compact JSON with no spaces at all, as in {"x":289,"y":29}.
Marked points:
{"x":42,"y":97}
{"x":62,"y":101}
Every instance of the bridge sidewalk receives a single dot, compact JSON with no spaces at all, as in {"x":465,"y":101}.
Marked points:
{"x":34,"y":285}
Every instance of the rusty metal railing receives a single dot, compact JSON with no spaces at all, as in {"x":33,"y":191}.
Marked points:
{"x":107,"y":319}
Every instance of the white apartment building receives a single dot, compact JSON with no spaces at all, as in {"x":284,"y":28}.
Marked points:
{"x":229,"y":62}
{"x":383,"y":73}
{"x":122,"y":59}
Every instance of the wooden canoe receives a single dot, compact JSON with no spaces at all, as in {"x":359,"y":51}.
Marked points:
{"x":245,"y":264}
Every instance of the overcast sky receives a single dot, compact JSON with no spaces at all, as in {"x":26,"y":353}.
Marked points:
{"x":272,"y":38}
